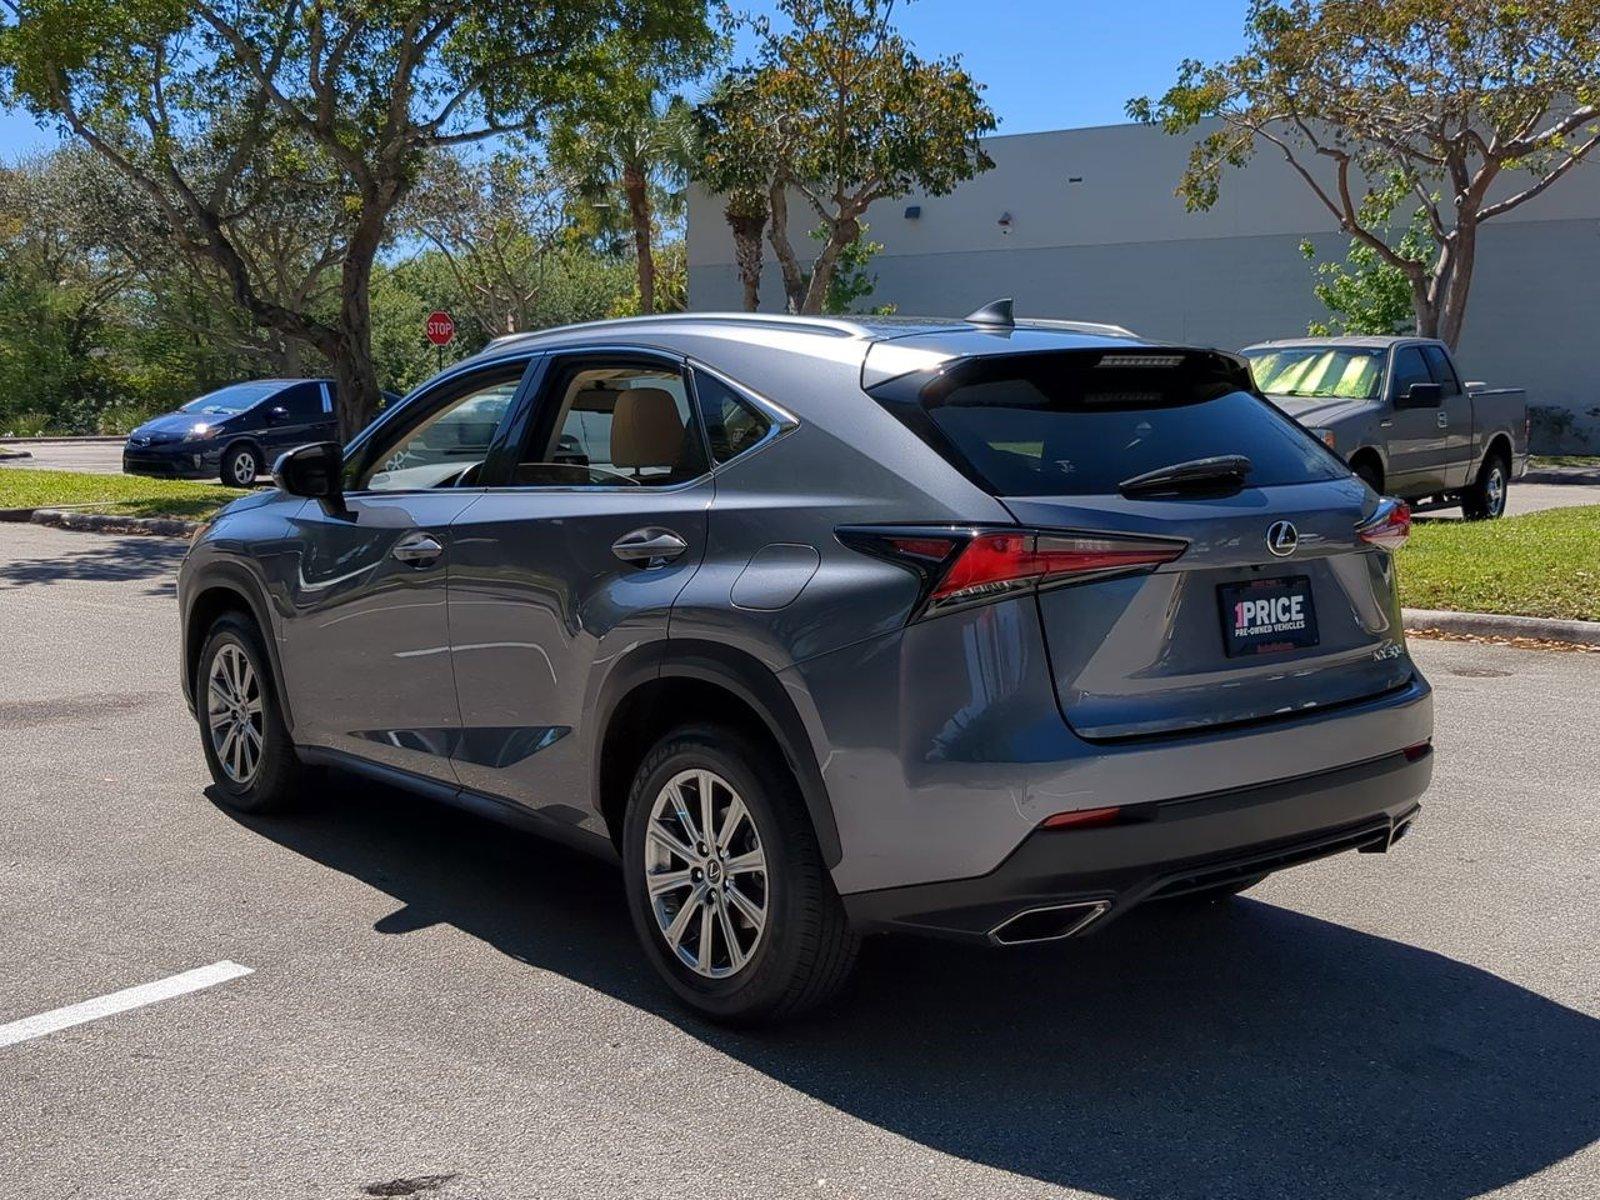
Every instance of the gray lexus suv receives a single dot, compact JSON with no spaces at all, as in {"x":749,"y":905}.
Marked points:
{"x":984,"y":628}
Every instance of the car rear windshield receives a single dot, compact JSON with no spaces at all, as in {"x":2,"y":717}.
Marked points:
{"x":1081,"y":422}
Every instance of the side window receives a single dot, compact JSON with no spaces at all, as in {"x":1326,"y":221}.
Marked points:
{"x":732,"y":425}
{"x":437,"y":449}
{"x":1409,"y":368}
{"x":304,"y":401}
{"x":1443,"y":373}
{"x":615,"y":425}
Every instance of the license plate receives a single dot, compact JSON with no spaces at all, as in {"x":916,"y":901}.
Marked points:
{"x":1267,"y":615}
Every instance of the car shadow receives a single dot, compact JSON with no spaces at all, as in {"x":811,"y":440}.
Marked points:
{"x":1245,"y":1050}
{"x":130,"y":559}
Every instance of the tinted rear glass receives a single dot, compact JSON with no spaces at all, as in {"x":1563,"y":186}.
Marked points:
{"x":1081,"y":422}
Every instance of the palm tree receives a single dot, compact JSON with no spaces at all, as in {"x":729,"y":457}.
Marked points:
{"x":641,"y":148}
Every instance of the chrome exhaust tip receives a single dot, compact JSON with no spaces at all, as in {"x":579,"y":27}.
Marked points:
{"x":1048,"y":923}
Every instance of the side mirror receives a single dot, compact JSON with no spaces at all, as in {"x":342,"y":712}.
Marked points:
{"x":315,"y":471}
{"x":1423,"y":395}
{"x":277,"y":414}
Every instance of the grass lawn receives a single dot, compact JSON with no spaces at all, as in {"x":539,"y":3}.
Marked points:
{"x":1544,"y":564}
{"x":124,"y":495}
{"x":1563,"y":460}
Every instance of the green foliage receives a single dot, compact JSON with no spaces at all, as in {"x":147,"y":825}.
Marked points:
{"x":839,"y":109}
{"x":1479,"y":105}
{"x":851,"y":280}
{"x":1364,"y":293}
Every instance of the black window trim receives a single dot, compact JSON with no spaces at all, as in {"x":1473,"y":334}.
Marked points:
{"x":432,"y":396}
{"x":780,"y":421}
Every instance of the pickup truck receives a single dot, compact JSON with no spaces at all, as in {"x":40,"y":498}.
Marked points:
{"x":1395,"y":409}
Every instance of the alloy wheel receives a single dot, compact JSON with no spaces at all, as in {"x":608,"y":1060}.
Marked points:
{"x":234,"y":714}
{"x":706,"y":874}
{"x":244,"y":468}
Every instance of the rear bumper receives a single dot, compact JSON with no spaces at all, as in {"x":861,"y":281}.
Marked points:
{"x":1162,"y":850}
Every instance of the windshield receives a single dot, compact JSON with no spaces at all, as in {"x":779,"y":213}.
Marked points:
{"x":1324,"y":372}
{"x":234,"y":398}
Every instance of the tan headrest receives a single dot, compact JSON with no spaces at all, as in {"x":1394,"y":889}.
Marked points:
{"x":646,"y":430}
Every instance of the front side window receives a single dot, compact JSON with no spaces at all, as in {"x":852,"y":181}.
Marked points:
{"x":1443,"y":373}
{"x":1409,"y":368}
{"x":440,"y":449}
{"x":616,"y":425}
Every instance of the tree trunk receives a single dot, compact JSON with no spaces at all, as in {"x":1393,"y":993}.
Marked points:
{"x":747,"y":226}
{"x":794,"y":281}
{"x":354,"y":370}
{"x":1452,"y":305}
{"x":636,"y":187}
{"x":841,"y":234}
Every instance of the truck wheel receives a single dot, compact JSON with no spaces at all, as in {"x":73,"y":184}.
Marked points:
{"x":726,"y":884}
{"x":1369,"y":474}
{"x":1485,"y":497}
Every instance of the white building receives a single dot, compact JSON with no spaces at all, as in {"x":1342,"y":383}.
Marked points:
{"x":1083,"y":223}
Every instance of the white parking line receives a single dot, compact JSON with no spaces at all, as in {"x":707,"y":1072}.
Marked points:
{"x":115,"y":1002}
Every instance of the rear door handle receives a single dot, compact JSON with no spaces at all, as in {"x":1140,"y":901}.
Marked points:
{"x":1444,"y":420}
{"x":417,"y":549}
{"x":651,"y":547}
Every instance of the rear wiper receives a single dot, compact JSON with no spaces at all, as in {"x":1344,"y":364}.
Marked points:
{"x":1197,"y":475}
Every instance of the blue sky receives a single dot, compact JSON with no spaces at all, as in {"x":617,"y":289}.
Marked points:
{"x":1047,"y":64}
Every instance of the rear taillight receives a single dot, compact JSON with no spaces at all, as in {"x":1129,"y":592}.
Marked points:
{"x":1388,"y":527}
{"x":960,"y":567}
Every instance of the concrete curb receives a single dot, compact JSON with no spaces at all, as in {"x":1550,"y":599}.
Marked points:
{"x":1570,"y":476}
{"x":1495,"y":625}
{"x":7,"y":453}
{"x":103,"y":523}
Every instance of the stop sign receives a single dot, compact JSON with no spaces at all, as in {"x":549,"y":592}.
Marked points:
{"x":441,"y":328}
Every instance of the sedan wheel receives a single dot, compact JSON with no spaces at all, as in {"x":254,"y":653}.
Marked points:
{"x":706,"y":873}
{"x":239,"y":467}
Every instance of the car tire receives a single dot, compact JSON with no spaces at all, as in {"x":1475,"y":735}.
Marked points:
{"x":240,"y":466}
{"x":1485,"y":497}
{"x":803,"y":949}
{"x":1369,"y":475}
{"x":256,"y":770}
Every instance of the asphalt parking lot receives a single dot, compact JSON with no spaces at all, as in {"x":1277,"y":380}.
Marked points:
{"x":441,"y":1009}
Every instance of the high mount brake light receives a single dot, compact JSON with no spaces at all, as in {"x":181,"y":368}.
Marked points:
{"x":1388,"y":527}
{"x":959,"y":567}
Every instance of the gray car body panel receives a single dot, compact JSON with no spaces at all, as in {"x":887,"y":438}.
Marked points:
{"x":925,"y":752}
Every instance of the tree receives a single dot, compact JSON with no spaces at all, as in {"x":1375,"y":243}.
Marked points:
{"x":739,"y":150}
{"x":1478,"y":105}
{"x":634,"y":143}
{"x":848,"y":114}
{"x":498,"y":225}
{"x":370,"y":88}
{"x":1365,"y":294}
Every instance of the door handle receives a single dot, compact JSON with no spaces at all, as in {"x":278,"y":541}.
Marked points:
{"x":1444,"y":420}
{"x":417,"y":549}
{"x":651,"y":547}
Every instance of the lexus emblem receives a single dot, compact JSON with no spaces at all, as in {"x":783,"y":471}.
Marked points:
{"x":1282,"y":538}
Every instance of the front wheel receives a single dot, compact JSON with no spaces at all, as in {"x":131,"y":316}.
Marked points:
{"x":240,"y":466}
{"x":1485,"y":497}
{"x":246,"y":743}
{"x":726,"y":885}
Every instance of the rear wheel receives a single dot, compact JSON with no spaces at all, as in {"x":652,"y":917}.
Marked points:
{"x":240,"y":466}
{"x":1485,"y":498}
{"x":726,"y":885}
{"x":246,"y":743}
